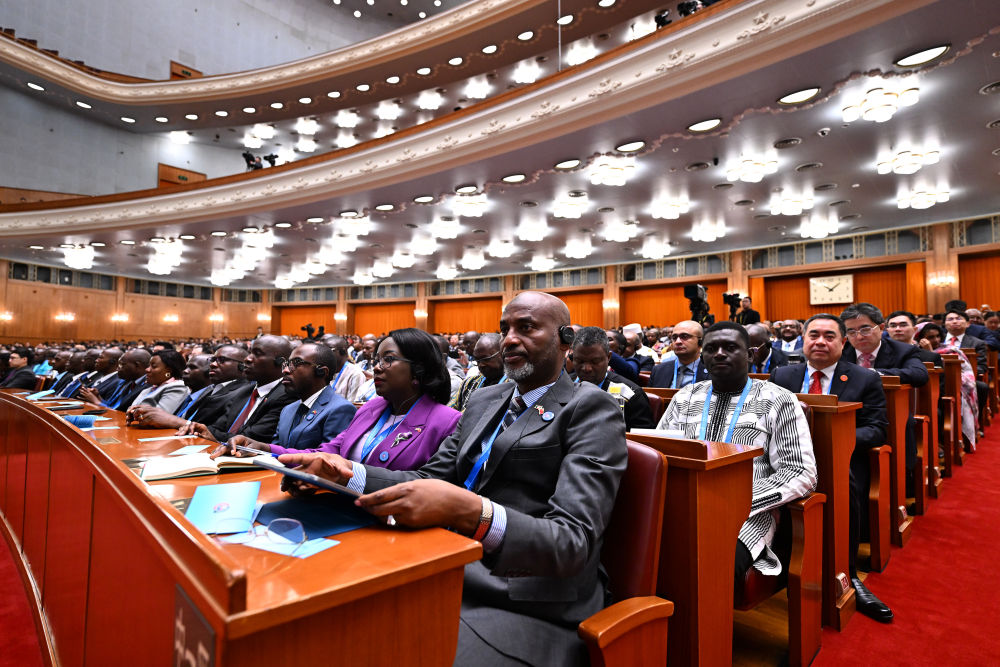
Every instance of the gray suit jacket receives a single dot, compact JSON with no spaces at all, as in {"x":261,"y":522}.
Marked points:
{"x":556,"y":472}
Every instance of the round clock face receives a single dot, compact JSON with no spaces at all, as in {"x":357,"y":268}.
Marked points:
{"x":831,"y":289}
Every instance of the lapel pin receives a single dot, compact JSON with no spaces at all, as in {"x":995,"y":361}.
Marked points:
{"x":547,"y":417}
{"x":400,"y":438}
{"x":383,"y":457}
{"x":540,"y":409}
{"x":843,"y":378}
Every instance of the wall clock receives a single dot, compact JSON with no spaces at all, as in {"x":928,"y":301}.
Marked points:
{"x":831,"y":289}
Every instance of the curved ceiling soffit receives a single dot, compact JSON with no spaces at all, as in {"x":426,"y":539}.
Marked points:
{"x":388,"y":48}
{"x":741,"y":41}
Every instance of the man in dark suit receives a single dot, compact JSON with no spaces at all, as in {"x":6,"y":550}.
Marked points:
{"x":974,"y":329}
{"x":826,"y":372}
{"x":763,"y":357}
{"x":790,"y":337}
{"x":257,"y":418}
{"x":21,"y":375}
{"x":627,"y":368}
{"x":901,"y":326}
{"x":747,"y":315}
{"x":106,"y":366}
{"x":685,"y":341}
{"x":546,"y":455}
{"x":63,"y":375}
{"x":591,"y":355}
{"x":957,"y":324}
{"x":633,"y":342}
{"x":131,"y":381}
{"x":77,"y":375}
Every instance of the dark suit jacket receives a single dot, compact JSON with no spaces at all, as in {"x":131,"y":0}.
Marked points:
{"x":774,"y":360}
{"x":209,"y":407}
{"x":329,"y":415}
{"x":556,"y":478}
{"x":22,"y":378}
{"x":777,"y":344}
{"x":861,"y":385}
{"x":61,"y":381}
{"x":927,"y":355}
{"x":624,"y":367}
{"x":127,"y":397}
{"x":989,"y":337}
{"x":979,"y":344}
{"x":263,"y":423}
{"x":750,"y":316}
{"x":107,"y":386}
{"x":646,"y":364}
{"x":895,"y":358}
{"x":663,"y":374}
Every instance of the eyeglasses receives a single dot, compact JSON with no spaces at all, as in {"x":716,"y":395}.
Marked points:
{"x":860,"y":331}
{"x":294,"y":363}
{"x":899,"y":325}
{"x":479,"y":359}
{"x":681,"y":336}
{"x":387,"y":361}
{"x":220,"y":360}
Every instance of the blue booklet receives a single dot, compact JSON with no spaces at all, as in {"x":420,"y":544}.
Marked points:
{"x":224,"y":508}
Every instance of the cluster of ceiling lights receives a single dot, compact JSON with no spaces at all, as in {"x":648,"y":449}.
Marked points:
{"x":787,"y":203}
{"x":921,"y":197}
{"x":819,"y":226}
{"x":708,"y":231}
{"x":167,"y":255}
{"x":371,"y":3}
{"x":906,"y":161}
{"x":253,"y":250}
{"x":752,"y":168}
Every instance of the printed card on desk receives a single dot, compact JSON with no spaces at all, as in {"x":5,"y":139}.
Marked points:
{"x":224,"y":507}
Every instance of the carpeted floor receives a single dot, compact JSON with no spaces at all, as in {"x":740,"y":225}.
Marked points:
{"x":18,"y":641}
{"x":944,"y":586}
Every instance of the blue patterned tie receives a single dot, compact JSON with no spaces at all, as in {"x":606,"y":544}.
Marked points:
{"x":517,"y":406}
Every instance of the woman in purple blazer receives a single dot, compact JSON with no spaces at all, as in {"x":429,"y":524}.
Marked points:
{"x":402,"y":427}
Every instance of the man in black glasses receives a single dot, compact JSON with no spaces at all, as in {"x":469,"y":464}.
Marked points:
{"x":531,"y":472}
{"x":763,"y":357}
{"x":486,"y":355}
{"x":686,"y":368}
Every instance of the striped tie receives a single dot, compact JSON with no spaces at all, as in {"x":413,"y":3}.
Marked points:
{"x":517,"y":406}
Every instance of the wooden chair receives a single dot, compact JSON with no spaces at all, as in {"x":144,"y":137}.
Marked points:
{"x":665,"y":393}
{"x":799,"y":545}
{"x":982,"y":375}
{"x":993,"y":359}
{"x":39,"y":382}
{"x":953,"y":391}
{"x":878,"y":507}
{"x":633,"y":631}
{"x":658,"y":405}
{"x":643,"y":380}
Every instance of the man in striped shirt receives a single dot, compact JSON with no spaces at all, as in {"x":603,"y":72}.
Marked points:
{"x":729,"y":407}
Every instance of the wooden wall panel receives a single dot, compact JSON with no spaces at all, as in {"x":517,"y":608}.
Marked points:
{"x":461,"y":315}
{"x":241,"y":319}
{"x":34,"y":306}
{"x":758,"y":295}
{"x":381,"y":318}
{"x":916,"y":288}
{"x":665,"y":305}
{"x":977,"y":280}
{"x":293,"y":318}
{"x":788,"y":296}
{"x":146,"y":315}
{"x":585,"y":308}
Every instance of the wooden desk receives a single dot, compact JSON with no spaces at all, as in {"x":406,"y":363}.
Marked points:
{"x":118,"y":575}
{"x":897,"y":408}
{"x":832,"y":425}
{"x":709,"y":489}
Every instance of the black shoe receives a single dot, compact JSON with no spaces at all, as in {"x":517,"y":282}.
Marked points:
{"x":868,"y":604}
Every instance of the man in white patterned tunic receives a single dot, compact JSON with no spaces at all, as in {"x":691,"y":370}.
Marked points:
{"x":748,"y":412}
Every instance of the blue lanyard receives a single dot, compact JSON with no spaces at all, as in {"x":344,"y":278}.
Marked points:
{"x":378,"y":434}
{"x":766,"y":366}
{"x":694,"y":372}
{"x":481,"y":461}
{"x":736,"y":413}
{"x":805,"y":383}
{"x":339,"y":373}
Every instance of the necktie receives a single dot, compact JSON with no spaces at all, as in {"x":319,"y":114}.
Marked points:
{"x":241,"y":419}
{"x":686,"y":377}
{"x":181,"y":411}
{"x":953,"y":341}
{"x":70,"y":389}
{"x":299,"y":414}
{"x":866,"y":360}
{"x":115,"y":400}
{"x":816,"y":386}
{"x":517,"y":406}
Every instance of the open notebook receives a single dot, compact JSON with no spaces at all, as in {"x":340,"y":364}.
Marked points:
{"x":192,"y":465}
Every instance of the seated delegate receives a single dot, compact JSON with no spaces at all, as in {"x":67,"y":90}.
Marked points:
{"x":164,"y":387}
{"x":402,"y":427}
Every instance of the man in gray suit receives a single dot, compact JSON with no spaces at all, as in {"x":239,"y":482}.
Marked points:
{"x":531,"y":471}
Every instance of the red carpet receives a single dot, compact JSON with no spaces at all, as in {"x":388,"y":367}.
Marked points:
{"x":944,"y":586}
{"x":18,"y":641}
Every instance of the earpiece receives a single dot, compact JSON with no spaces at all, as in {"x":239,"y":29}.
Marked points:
{"x":567,"y":335}
{"x":320,"y":371}
{"x":279,"y":362}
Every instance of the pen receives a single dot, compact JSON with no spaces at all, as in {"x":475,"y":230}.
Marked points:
{"x":251,"y":450}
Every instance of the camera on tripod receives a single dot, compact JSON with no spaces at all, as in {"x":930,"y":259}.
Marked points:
{"x":697,"y":297}
{"x":733,"y":301}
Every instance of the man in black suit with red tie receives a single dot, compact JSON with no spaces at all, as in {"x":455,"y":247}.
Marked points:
{"x":826,"y":372}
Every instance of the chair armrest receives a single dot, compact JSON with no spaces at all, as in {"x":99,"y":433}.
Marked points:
{"x":630,"y":632}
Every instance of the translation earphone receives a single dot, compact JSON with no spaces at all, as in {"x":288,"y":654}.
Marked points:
{"x":567,"y":335}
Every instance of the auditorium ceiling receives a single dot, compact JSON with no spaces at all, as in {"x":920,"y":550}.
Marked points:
{"x":768,"y":173}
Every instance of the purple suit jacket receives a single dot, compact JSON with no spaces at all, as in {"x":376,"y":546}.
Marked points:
{"x":429,"y":423}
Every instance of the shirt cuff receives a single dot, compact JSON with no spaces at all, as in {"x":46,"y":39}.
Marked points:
{"x":357,"y":483}
{"x":498,"y":529}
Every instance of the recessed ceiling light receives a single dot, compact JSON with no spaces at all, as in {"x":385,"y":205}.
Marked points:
{"x":277,"y":105}
{"x":187,"y":237}
{"x":249,"y":110}
{"x":606,"y":3}
{"x":799,"y":96}
{"x":333,"y":94}
{"x":422,"y":15}
{"x":357,"y":14}
{"x":526,"y":35}
{"x":423,"y":199}
{"x":160,"y":119}
{"x":424,"y":71}
{"x":489,"y":48}
{"x":923,"y":57}
{"x":218,"y":233}
{"x":630,"y":147}
{"x":36,"y":247}
{"x":788,"y":142}
{"x":568,"y":164}
{"x":513,"y":178}
{"x":221,"y":114}
{"x":66,"y":245}
{"x":97,"y":244}
{"x":126,"y":119}
{"x":455,"y":62}
{"x":392,"y":79}
{"x":191,"y":116}
{"x":314,"y":220}
{"x":35,"y":86}
{"x":363,"y":87}
{"x":282,"y":225}
{"x":384,"y":207}
{"x":705,"y":125}
{"x":156,"y":239}
{"x":466,"y":189}
{"x":350,"y":213}
{"x":305,"y":100}
{"x":83,"y":105}
{"x":250,"y":230}
{"x":127,"y":242}
{"x":565,"y":20}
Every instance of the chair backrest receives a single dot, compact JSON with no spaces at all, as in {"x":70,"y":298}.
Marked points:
{"x":657,"y":405}
{"x":631,"y":552}
{"x":39,"y":382}
{"x":644,"y":378}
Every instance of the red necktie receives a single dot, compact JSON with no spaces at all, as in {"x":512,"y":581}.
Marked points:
{"x":815,"y":387}
{"x":238,"y":424}
{"x":866,"y":360}
{"x":953,"y":341}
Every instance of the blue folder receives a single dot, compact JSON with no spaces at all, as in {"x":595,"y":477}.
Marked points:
{"x":225,"y":508}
